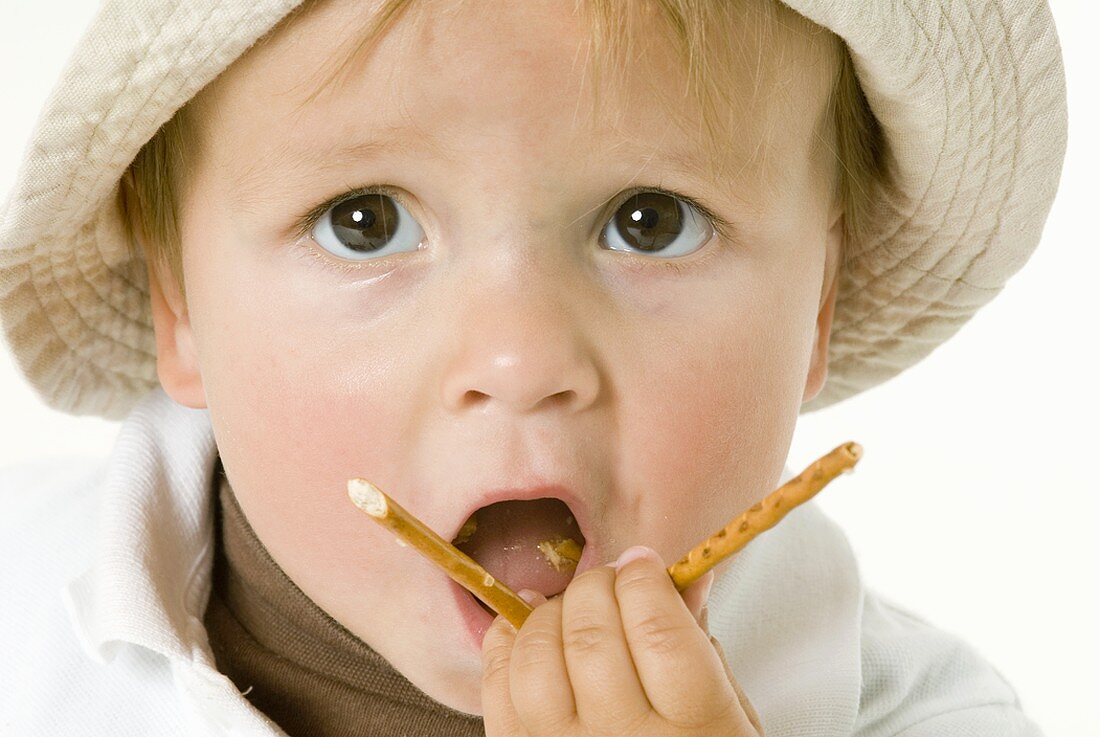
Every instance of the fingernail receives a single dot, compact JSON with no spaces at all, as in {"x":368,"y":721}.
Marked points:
{"x":635,"y":553}
{"x":534,"y":598}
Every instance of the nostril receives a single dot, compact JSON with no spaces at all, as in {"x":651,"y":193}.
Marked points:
{"x":565,"y":398}
{"x":474,"y":397}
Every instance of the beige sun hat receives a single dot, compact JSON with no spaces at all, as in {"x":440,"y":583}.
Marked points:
{"x":970,"y":96}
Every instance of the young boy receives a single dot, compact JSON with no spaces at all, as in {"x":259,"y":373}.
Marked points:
{"x":542,"y":265}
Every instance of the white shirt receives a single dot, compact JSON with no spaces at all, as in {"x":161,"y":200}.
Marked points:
{"x":107,"y":570}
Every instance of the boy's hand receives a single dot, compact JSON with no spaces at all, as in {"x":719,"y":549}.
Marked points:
{"x":613,"y":655}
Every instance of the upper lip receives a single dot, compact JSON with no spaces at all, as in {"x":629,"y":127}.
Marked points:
{"x":527,"y":493}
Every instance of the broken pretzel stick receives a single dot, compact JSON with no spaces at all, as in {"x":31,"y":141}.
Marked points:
{"x":562,"y":553}
{"x":462,"y":568}
{"x":763,"y":515}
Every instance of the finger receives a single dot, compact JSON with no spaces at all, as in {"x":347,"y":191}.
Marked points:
{"x":678,"y":667}
{"x":497,"y":710}
{"x":542,"y":694}
{"x":746,"y":705}
{"x":610,"y":699}
{"x":747,"y":708}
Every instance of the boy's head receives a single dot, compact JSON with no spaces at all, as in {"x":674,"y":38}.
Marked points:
{"x":513,"y":304}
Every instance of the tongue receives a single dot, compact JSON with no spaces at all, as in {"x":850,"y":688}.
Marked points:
{"x":506,"y":543}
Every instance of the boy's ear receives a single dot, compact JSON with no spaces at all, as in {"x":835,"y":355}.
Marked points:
{"x":819,"y":359}
{"x":177,"y":362}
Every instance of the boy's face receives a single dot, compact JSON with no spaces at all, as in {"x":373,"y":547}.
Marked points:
{"x":516,"y":347}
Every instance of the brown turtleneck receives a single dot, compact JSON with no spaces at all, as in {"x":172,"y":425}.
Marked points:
{"x":294,"y":662}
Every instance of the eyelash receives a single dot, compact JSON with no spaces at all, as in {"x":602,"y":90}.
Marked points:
{"x":304,"y":226}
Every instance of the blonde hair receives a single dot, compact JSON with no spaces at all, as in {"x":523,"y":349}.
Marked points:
{"x":710,"y":37}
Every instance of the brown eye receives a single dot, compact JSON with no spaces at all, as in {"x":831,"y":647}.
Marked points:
{"x":365,"y":226}
{"x":654,"y":222}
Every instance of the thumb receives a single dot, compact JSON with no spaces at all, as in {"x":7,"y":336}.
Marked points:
{"x":498,"y":712}
{"x":696,"y":595}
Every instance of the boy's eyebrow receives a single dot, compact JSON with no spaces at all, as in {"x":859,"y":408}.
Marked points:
{"x":254,"y":183}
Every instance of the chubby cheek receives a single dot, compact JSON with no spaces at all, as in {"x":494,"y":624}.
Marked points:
{"x":712,"y":417}
{"x":303,"y":397}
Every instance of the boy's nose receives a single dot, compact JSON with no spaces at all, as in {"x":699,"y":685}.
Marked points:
{"x":521,"y":383}
{"x":522,"y":359}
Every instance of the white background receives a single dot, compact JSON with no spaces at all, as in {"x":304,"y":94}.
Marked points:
{"x":976,"y":504}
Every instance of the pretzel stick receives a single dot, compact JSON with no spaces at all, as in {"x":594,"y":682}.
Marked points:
{"x":763,"y":515}
{"x":456,"y":564}
{"x":730,"y":539}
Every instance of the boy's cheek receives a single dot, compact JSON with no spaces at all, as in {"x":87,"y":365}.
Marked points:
{"x":304,"y":391}
{"x":718,"y":427}
{"x":289,"y":444}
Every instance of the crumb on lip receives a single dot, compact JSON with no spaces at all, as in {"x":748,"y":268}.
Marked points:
{"x":562,"y":553}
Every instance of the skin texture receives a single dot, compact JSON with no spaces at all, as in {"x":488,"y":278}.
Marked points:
{"x":512,"y":348}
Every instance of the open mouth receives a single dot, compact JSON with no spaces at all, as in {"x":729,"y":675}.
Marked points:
{"x":534,"y":544}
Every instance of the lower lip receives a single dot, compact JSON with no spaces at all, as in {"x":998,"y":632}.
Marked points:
{"x":475,"y":619}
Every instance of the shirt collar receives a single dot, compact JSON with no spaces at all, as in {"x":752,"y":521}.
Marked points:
{"x":150,"y":572}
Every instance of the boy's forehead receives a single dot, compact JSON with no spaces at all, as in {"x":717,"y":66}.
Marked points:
{"x":447,"y":74}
